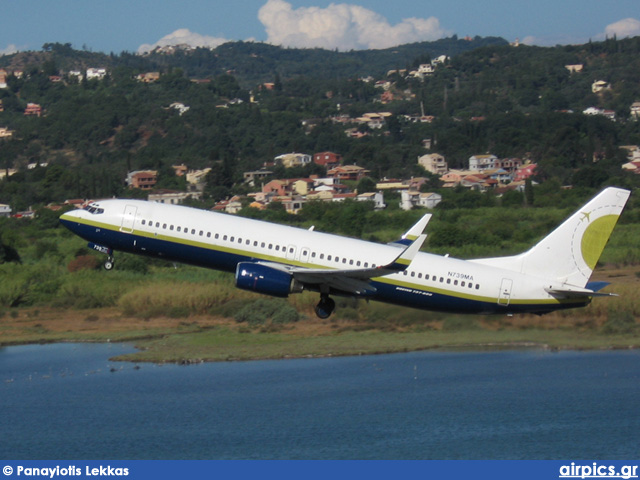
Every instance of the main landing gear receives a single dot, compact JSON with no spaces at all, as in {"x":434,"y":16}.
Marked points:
{"x":325,"y":306}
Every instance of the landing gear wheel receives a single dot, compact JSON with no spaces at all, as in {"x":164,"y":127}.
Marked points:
{"x":325,"y":307}
{"x":108,"y":265}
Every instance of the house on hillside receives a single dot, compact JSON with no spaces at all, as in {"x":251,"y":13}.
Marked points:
{"x":33,"y":109}
{"x":251,"y":177}
{"x":327,"y":159}
{"x":142,"y":179}
{"x":434,"y":163}
{"x":5,"y":210}
{"x":376,"y":197}
{"x":172,"y":197}
{"x":480,"y":163}
{"x":347,"y":172}
{"x":289,"y":160}
{"x":412,"y":198}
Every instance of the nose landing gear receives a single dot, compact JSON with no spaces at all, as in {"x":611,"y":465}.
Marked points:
{"x":109,"y":263}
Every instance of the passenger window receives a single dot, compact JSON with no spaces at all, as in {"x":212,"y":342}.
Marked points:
{"x":441,"y":279}
{"x":171,"y":228}
{"x":413,"y":274}
{"x":322,"y":256}
{"x":477,"y":286}
{"x":404,"y":273}
{"x":164,"y":226}
{"x":277,"y":248}
{"x":350,"y":262}
{"x":224,"y":238}
{"x":419,"y":275}
{"x":426,"y":276}
{"x":271,"y":246}
{"x":232,"y":239}
{"x":262,"y":244}
{"x":255,"y":243}
{"x":448,"y":281}
{"x":193,"y":231}
{"x":344,"y":260}
{"x":208,"y":234}
{"x":462,"y":284}
{"x":329,"y":257}
{"x":366,"y":264}
{"x":143,"y":221}
{"x":455,"y":282}
{"x":178,"y":229}
{"x":201,"y":233}
{"x":358,"y":263}
{"x":239,"y":240}
{"x":157,"y":224}
{"x":217,"y":236}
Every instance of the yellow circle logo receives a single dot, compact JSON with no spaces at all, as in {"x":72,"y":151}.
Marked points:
{"x":595,"y":238}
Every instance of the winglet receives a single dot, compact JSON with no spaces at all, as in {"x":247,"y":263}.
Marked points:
{"x":414,"y":232}
{"x":403,"y":260}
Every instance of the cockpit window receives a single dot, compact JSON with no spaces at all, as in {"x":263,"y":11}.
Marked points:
{"x":94,"y":209}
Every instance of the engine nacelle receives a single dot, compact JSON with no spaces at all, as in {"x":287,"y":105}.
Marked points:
{"x":262,"y":279}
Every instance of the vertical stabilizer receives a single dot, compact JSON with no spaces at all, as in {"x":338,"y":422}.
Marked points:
{"x":569,"y":254}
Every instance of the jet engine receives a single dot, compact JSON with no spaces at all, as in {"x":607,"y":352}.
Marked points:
{"x":259,"y":278}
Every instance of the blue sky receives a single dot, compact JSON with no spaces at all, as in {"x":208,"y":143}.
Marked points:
{"x":136,"y":25}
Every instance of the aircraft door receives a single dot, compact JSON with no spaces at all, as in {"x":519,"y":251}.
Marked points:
{"x":505,"y":292}
{"x":128,"y":219}
{"x":291,"y":252}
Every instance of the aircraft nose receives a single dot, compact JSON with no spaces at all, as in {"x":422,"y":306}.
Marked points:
{"x":68,"y":218}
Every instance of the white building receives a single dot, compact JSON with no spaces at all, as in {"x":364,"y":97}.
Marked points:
{"x":172,"y":197}
{"x":376,"y":197}
{"x":96,"y":73}
{"x":480,"y":163}
{"x":412,"y":198}
{"x":5,"y":210}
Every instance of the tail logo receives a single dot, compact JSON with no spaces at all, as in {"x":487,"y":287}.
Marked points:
{"x":595,"y":238}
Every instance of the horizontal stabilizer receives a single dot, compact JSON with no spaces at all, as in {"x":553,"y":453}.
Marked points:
{"x":575,"y":292}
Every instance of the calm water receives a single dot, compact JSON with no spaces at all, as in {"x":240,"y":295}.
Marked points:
{"x":69,"y":401}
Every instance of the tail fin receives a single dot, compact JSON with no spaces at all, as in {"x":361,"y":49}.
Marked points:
{"x":569,"y":254}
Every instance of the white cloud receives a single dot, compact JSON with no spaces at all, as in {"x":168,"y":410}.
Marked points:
{"x":11,"y":49}
{"x":341,"y":26}
{"x":186,"y":37}
{"x":628,"y":27}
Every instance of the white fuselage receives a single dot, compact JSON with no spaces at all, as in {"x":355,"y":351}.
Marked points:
{"x":221,"y":241}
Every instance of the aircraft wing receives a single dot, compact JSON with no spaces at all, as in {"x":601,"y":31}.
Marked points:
{"x":352,"y":281}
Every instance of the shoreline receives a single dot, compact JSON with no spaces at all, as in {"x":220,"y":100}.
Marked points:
{"x":197,"y":339}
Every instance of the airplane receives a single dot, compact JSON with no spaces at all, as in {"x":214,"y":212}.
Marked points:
{"x":280,"y":260}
